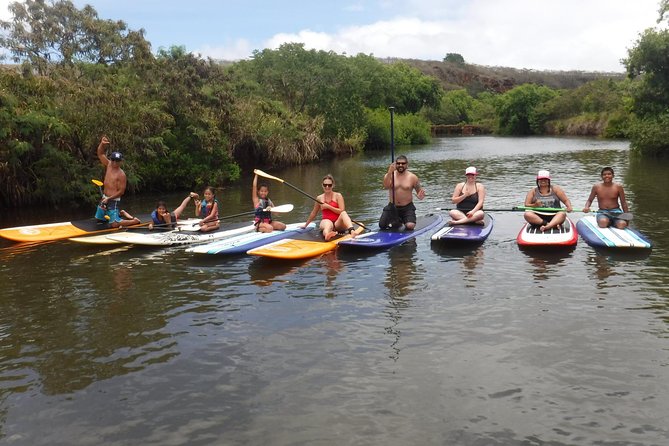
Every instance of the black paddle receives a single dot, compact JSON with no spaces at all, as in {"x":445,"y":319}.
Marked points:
{"x":390,"y":217}
{"x":272,"y":177}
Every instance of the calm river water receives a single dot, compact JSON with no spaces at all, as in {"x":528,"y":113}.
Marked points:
{"x":418,"y":344}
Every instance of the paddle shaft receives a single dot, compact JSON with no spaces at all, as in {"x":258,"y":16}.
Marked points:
{"x":279,"y":209}
{"x":392,"y":147}
{"x":612,"y":214}
{"x":266,"y":175}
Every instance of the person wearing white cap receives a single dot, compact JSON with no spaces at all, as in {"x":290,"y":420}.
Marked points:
{"x":546,"y":195}
{"x":468,"y":197}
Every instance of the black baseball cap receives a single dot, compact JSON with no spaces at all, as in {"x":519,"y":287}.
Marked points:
{"x":116,"y":156}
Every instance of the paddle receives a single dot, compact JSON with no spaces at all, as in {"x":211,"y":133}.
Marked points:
{"x":272,"y":177}
{"x":518,"y":208}
{"x":389,"y":216}
{"x":276,"y":209}
{"x":622,"y":215}
{"x":99,"y":184}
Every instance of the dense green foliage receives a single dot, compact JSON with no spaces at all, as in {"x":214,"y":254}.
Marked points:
{"x":648,"y":63}
{"x":184,"y":122}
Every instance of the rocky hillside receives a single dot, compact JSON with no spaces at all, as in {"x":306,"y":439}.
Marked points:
{"x":478,"y":78}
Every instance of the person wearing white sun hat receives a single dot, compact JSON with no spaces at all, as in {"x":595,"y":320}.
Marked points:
{"x":468,"y":197}
{"x":546,"y":195}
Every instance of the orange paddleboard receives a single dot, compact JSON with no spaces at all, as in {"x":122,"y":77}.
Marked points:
{"x":302,"y":247}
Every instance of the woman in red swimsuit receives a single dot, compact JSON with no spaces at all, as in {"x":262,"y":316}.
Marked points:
{"x":331,"y":203}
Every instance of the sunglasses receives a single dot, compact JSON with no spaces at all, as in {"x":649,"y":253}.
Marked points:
{"x":400,"y":163}
{"x":327,"y":184}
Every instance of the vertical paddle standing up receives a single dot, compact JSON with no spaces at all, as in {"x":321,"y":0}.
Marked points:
{"x":401,"y":183}
{"x":610,"y":198}
{"x":207,"y":210}
{"x":331,"y":204}
{"x":115,"y":183}
{"x":469,"y":197}
{"x":546,"y":196}
{"x":261,"y":203}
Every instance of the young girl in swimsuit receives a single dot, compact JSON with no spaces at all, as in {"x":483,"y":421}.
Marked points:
{"x":162,"y":218}
{"x":331,"y":204}
{"x":261,"y":201}
{"x":207,"y":210}
{"x":468,"y":196}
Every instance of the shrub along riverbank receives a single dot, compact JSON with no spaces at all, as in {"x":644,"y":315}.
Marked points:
{"x":183,"y":121}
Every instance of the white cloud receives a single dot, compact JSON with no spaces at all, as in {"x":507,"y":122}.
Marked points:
{"x":4,"y":12}
{"x":535,"y":34}
{"x":237,"y":50}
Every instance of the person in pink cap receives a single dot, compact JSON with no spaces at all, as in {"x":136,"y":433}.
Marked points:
{"x":546,"y":195}
{"x":468,"y":197}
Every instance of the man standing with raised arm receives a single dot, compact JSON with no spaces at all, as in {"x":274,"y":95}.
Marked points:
{"x":115,"y":183}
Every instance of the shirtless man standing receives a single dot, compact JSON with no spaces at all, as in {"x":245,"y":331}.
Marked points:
{"x":610,"y":198}
{"x":114,"y":187}
{"x":405,"y":183}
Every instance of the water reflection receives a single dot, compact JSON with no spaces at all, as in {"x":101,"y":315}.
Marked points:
{"x":400,"y":276}
{"x":469,"y":255}
{"x":265,"y":271}
{"x":546,"y":262}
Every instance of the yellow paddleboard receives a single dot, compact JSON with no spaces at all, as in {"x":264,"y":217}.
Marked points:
{"x":300,"y":248}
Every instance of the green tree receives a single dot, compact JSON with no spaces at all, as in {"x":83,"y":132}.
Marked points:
{"x":44,"y":33}
{"x":648,"y":62}
{"x":519,"y":109}
{"x":454,"y":58}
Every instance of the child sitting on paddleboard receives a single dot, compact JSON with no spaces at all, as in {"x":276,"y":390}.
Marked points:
{"x":162,"y":218}
{"x":610,"y":198}
{"x":263,"y":217}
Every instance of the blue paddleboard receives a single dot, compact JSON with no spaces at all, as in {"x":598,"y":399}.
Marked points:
{"x":610,"y":237}
{"x":244,"y":242}
{"x":468,"y":233}
{"x":387,"y":239}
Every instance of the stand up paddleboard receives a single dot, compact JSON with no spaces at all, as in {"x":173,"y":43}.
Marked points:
{"x":562,"y":235}
{"x":467,"y":233}
{"x":385,"y":239}
{"x":610,"y":237}
{"x":300,"y":247}
{"x":241,"y":243}
{"x":180,"y":237}
{"x":102,"y":239}
{"x":62,"y":230}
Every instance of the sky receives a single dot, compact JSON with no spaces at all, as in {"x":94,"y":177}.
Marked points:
{"x":584,"y":35}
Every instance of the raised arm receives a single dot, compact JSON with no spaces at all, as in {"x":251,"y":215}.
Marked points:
{"x":102,"y":151}
{"x":254,"y":191}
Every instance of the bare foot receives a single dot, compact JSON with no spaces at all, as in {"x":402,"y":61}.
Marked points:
{"x":543,"y":228}
{"x":330,"y":235}
{"x":480,"y":222}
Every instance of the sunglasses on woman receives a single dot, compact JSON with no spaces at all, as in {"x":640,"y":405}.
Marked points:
{"x":327,"y":184}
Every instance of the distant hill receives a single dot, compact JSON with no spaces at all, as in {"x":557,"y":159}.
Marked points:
{"x":478,"y":78}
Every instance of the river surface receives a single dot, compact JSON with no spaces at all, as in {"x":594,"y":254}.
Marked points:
{"x":418,"y":344}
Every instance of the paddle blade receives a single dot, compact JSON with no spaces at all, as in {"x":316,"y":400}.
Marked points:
{"x":282,"y":208}
{"x":390,"y":217}
{"x":97,"y":182}
{"x":266,"y":175}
